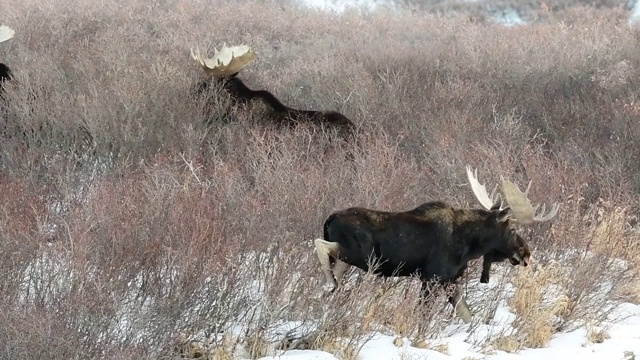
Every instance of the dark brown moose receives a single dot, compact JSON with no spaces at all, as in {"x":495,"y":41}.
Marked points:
{"x":435,"y":241}
{"x":224,"y":68}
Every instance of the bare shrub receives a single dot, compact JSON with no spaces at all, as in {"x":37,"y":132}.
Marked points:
{"x":138,"y":218}
{"x":536,"y":305}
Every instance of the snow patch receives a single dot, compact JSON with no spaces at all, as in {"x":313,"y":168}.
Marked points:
{"x":340,"y":6}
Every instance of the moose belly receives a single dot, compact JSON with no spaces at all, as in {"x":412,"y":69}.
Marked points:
{"x":384,"y":266}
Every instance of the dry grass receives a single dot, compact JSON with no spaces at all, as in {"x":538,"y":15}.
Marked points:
{"x":537,"y":306}
{"x":132,"y":215}
{"x":496,"y":11}
{"x":597,"y":336}
{"x":630,"y":292}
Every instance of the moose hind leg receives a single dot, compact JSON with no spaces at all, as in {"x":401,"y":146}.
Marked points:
{"x":325,"y":250}
{"x":459,"y":303}
{"x":339,"y":269}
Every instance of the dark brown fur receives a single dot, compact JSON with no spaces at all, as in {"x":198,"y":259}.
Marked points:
{"x":5,"y":75}
{"x":280,"y":113}
{"x":495,"y":256}
{"x":433,"y":241}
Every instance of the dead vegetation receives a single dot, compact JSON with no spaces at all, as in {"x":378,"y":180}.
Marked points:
{"x":134,"y":224}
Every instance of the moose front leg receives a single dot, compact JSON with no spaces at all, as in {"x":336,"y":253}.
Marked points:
{"x":486,"y":268}
{"x":455,"y":299}
{"x":426,"y":292}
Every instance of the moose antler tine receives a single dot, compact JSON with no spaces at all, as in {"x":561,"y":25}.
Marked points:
{"x":518,"y":202}
{"x":479,"y":190}
{"x":521,"y":206}
{"x":6,"y":33}
{"x":552,"y":213}
{"x":229,"y":60}
{"x":496,"y":196}
{"x":499,"y":199}
{"x":197,"y":56}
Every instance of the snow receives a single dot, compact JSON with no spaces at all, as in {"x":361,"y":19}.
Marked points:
{"x":506,"y":16}
{"x":340,"y":6}
{"x":461,"y":341}
{"x":455,"y":341}
{"x":634,"y":7}
{"x":624,"y":343}
{"x":304,"y":355}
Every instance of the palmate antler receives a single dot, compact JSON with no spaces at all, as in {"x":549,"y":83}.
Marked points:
{"x":521,"y":206}
{"x":521,"y":209}
{"x":480,"y":191}
{"x":6,"y":33}
{"x":227,"y":61}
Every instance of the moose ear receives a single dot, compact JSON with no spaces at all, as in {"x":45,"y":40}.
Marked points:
{"x":503,"y":215}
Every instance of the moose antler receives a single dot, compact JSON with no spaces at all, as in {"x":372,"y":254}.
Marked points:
{"x":520,"y":204}
{"x":518,"y":201}
{"x":227,"y":61}
{"x":6,"y":33}
{"x":480,"y":191}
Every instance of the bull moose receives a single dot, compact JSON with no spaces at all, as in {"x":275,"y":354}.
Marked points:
{"x":435,"y":241}
{"x":6,"y":33}
{"x":224,"y":68}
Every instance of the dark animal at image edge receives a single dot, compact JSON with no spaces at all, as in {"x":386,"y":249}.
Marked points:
{"x":6,"y":33}
{"x":15,"y":130}
{"x":5,"y":73}
{"x":434,"y":241}
{"x":5,"y":76}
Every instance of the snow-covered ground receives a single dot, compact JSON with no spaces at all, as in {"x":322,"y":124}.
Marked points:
{"x":634,"y":18}
{"x":623,"y":343}
{"x":508,"y":16}
{"x":340,"y":6}
{"x":621,"y":338}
